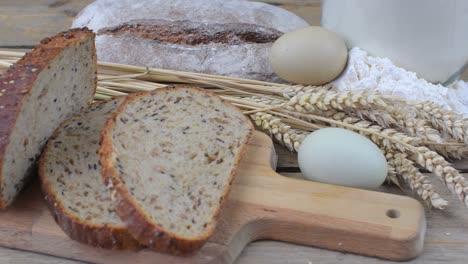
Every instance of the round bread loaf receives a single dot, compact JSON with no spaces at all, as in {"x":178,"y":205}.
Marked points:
{"x":239,"y":50}
{"x":223,"y":37}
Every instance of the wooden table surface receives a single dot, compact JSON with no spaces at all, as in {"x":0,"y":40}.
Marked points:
{"x":25,"y":22}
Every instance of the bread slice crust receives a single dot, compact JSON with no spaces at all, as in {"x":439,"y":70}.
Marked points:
{"x":17,"y":83}
{"x":105,"y":236}
{"x":139,"y":224}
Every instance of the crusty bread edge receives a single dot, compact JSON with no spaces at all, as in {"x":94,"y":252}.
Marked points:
{"x":104,"y":236}
{"x":139,"y":225}
{"x":19,"y":80}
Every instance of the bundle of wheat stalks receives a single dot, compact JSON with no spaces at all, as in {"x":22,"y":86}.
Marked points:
{"x":409,"y":134}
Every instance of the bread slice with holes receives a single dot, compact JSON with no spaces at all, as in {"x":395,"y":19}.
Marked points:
{"x":169,"y":158}
{"x":39,"y":92}
{"x":73,"y":185}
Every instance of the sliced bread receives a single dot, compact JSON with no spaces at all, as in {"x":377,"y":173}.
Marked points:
{"x":73,"y":185}
{"x":169,"y":158}
{"x":38,"y":93}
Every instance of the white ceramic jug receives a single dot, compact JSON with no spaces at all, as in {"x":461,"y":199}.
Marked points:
{"x":429,"y":37}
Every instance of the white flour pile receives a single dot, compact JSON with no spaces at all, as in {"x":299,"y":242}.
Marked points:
{"x":364,"y":72}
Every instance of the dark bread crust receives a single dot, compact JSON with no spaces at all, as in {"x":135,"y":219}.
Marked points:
{"x":16,"y":84}
{"x":193,"y":33}
{"x":104,"y":236}
{"x":138,"y":223}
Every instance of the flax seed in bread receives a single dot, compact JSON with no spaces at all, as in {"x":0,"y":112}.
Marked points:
{"x":71,"y":180}
{"x":169,"y":158}
{"x":39,"y":92}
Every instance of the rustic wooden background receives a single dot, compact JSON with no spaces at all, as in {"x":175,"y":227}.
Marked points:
{"x":23,"y":23}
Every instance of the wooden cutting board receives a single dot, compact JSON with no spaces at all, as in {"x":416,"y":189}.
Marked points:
{"x":262,"y":205}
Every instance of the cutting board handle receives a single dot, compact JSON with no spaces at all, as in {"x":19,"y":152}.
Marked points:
{"x":332,"y":217}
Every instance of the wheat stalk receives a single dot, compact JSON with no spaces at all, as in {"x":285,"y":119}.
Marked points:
{"x":417,"y":127}
{"x":289,"y":112}
{"x":344,"y":120}
{"x":385,"y":137}
{"x":392,"y":140}
{"x":398,"y":163}
{"x":389,"y":138}
{"x":293,"y":138}
{"x":373,"y":107}
{"x":427,"y":158}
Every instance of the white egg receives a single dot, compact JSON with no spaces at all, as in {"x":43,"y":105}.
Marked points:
{"x":342,"y":157}
{"x":311,"y":55}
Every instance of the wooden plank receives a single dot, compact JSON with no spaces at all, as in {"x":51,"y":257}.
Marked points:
{"x":293,"y":2}
{"x":26,"y":22}
{"x":15,"y":256}
{"x":310,"y":13}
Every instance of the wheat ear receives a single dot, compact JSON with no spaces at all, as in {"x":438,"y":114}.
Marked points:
{"x":387,"y":138}
{"x":417,"y":181}
{"x":417,"y":127}
{"x":311,"y":101}
{"x":391,"y":140}
{"x":283,"y":133}
{"x":451,"y":177}
{"x":364,"y":104}
{"x":373,"y":107}
{"x":453,"y":124}
{"x":392,"y":176}
{"x":425,"y":157}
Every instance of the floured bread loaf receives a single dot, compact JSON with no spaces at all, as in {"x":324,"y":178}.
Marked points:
{"x":169,"y":157}
{"x":238,"y":49}
{"x":71,"y":180}
{"x":231,"y":38}
{"x":40,"y":91}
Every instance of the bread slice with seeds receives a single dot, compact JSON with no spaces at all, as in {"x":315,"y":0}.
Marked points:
{"x":73,"y":185}
{"x":169,"y":158}
{"x":38,"y":93}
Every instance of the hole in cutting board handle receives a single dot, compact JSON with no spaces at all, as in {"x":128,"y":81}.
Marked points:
{"x":393,"y":213}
